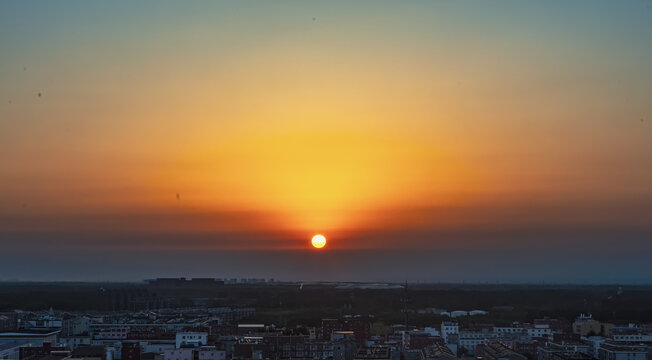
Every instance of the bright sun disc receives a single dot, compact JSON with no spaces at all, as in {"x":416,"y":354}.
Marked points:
{"x":318,"y":241}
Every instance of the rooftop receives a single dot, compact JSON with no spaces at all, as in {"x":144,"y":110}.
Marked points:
{"x":6,"y":346}
{"x":29,"y":332}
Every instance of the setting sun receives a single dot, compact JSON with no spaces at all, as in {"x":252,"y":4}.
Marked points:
{"x":319,"y":241}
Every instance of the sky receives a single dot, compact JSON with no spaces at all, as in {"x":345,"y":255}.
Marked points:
{"x":427,"y":140}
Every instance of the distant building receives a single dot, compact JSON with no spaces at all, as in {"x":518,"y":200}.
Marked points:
{"x":252,"y":350}
{"x":437,"y":352}
{"x":191,"y":339}
{"x":571,"y":356}
{"x":539,"y":331}
{"x":630,"y":333}
{"x":8,"y":321}
{"x":179,"y":354}
{"x":10,"y":351}
{"x":496,"y":350}
{"x":112,"y":333}
{"x":555,"y":325}
{"x":167,"y":282}
{"x":75,"y":326}
{"x":565,"y":351}
{"x":32,"y":337}
{"x":373,"y":353}
{"x":244,"y":329}
{"x":585,"y":325}
{"x":292,"y":347}
{"x":73,"y":342}
{"x":448,"y":328}
{"x":89,"y":353}
{"x":420,"y":340}
{"x":130,"y":351}
{"x":458,"y":313}
{"x":594,"y":342}
{"x":622,"y":351}
{"x":210,"y":353}
{"x":36,"y":352}
{"x":361,"y":327}
{"x":468,"y":340}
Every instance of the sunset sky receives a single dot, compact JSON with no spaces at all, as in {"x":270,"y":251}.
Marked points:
{"x":427,"y":140}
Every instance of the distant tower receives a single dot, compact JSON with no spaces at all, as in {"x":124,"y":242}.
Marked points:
{"x":405,"y":315}
{"x":405,"y":301}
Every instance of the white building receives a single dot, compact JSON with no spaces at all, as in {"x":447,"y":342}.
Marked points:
{"x":191,"y":339}
{"x":458,"y":313}
{"x":75,"y":326}
{"x":508,"y":330}
{"x":112,"y":333}
{"x":35,"y":337}
{"x":73,"y":342}
{"x":448,"y":328}
{"x":539,"y":331}
{"x":632,"y":337}
{"x":201,"y":353}
{"x":468,"y":340}
{"x":155,"y":347}
{"x":210,"y":353}
{"x":46,"y":322}
{"x":431,"y":331}
{"x":179,"y":354}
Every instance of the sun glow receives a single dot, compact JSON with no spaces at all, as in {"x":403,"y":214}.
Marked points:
{"x":319,"y":241}
{"x":309,"y":187}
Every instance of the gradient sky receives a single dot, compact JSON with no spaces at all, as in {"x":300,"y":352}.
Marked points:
{"x":428,"y":140}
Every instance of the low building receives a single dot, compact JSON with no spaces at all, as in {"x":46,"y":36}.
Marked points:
{"x":179,"y":354}
{"x":360,"y":326}
{"x":496,"y":350}
{"x":437,"y":352}
{"x":417,"y":340}
{"x":195,"y":339}
{"x":468,"y":340}
{"x":373,"y":353}
{"x":571,"y":356}
{"x":562,"y":351}
{"x":10,"y":351}
{"x":130,"y":351}
{"x":210,"y":353}
{"x":449,"y":328}
{"x":32,"y":337}
{"x":610,"y":350}
{"x":585,"y":325}
{"x":36,"y":352}
{"x":89,"y":353}
{"x":73,"y":342}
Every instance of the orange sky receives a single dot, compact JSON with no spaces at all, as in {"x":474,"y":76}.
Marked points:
{"x":272,"y":126}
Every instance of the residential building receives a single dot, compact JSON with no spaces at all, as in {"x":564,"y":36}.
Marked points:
{"x":496,"y":350}
{"x":437,"y":352}
{"x":610,"y":350}
{"x":448,"y":328}
{"x":35,"y":337}
{"x":191,"y":339}
{"x":10,"y":351}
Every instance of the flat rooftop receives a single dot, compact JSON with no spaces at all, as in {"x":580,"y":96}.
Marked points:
{"x":30,"y":332}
